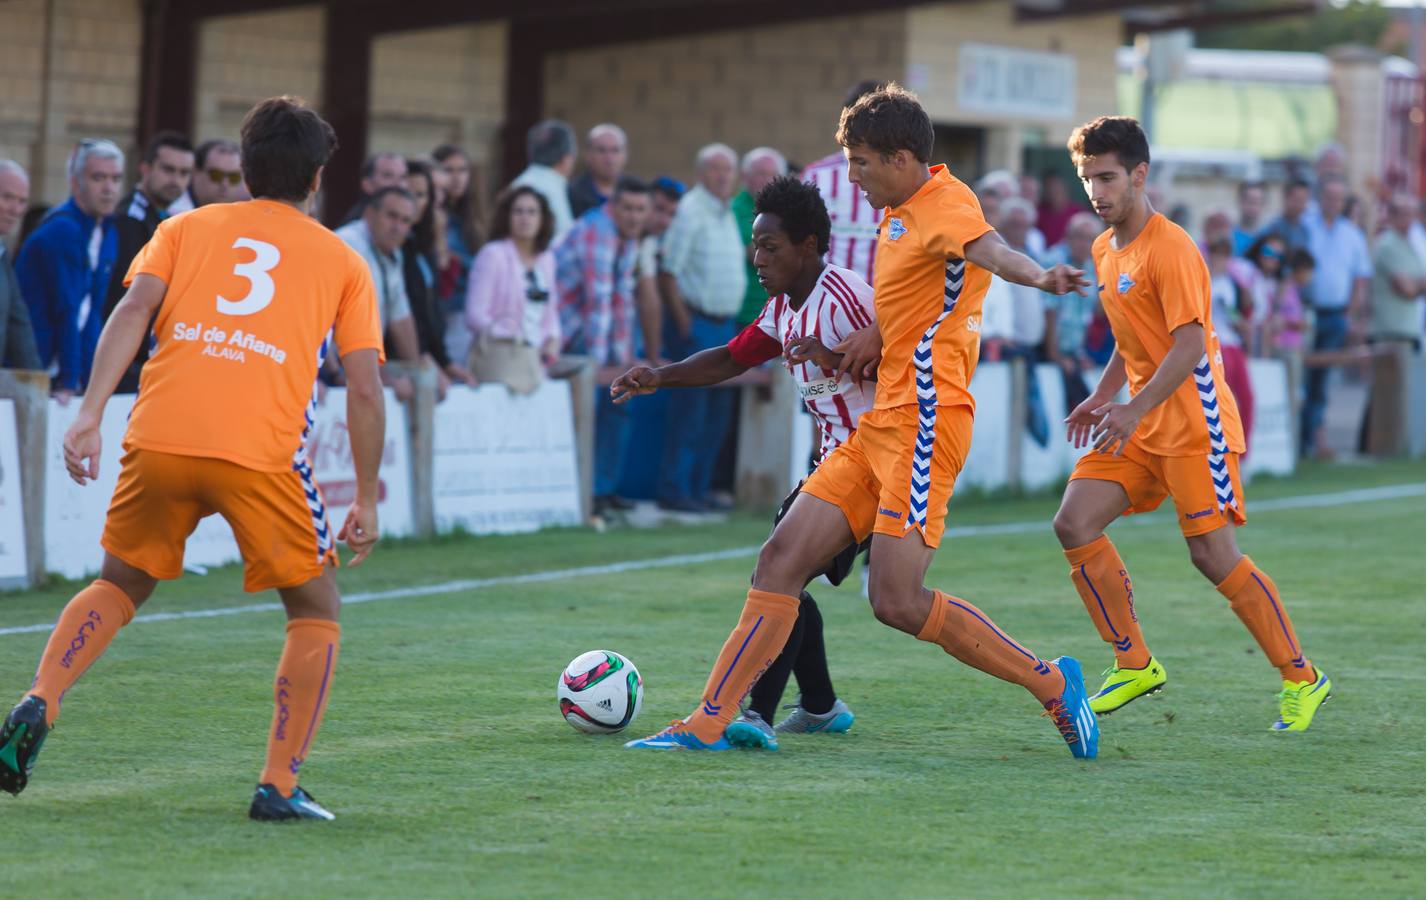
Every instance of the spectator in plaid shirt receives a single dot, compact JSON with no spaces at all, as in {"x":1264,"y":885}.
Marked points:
{"x":595,"y":269}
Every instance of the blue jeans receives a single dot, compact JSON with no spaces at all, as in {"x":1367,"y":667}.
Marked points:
{"x":1330,"y":334}
{"x":611,"y":438}
{"x":698,"y":419}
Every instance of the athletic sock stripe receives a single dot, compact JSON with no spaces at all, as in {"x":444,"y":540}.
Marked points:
{"x":734,"y":664}
{"x":316,"y":710}
{"x":1100,"y":600}
{"x":998,"y":633}
{"x":1282,"y":623}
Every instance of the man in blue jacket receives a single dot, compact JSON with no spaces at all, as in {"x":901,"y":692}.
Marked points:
{"x":65,"y":266}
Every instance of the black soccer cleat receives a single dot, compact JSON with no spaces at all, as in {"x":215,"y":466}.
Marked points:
{"x":270,"y":806}
{"x":21,"y":737}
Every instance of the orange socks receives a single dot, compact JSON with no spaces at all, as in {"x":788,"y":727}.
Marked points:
{"x":1254,"y":599}
{"x":762,"y":631}
{"x":968,"y":634}
{"x":1103,"y":584}
{"x":82,"y":634}
{"x":303,"y":683}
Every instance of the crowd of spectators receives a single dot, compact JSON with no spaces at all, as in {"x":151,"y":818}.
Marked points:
{"x":577,"y":258}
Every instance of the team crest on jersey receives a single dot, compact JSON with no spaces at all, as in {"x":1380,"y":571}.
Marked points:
{"x":895,"y":228}
{"x":1125,"y":282}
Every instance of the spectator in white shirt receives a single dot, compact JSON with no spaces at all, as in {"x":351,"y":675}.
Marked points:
{"x":550,"y":147}
{"x":703,"y":282}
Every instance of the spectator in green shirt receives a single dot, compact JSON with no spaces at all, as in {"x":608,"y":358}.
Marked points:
{"x":760,"y":167}
{"x":1398,"y":278}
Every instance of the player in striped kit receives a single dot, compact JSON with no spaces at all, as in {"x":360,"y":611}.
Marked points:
{"x":854,"y":220}
{"x":811,"y":306}
{"x":892,"y":478}
{"x":1178,"y":436}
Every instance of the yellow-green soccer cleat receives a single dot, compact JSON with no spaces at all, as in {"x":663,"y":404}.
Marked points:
{"x":1121,"y":686}
{"x":1299,"y":701}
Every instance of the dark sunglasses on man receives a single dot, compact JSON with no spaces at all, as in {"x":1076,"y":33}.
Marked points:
{"x":219,"y":176}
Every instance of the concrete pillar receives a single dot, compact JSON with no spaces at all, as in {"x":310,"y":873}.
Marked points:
{"x":764,"y":463}
{"x":421,"y":425}
{"x":31,"y":393}
{"x":1359,"y":83}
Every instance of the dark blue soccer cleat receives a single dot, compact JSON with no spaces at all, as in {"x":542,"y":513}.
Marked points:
{"x":21,"y":737}
{"x":1071,"y":713}
{"x":270,"y":806}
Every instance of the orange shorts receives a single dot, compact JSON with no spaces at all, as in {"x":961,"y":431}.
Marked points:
{"x":897,"y":470}
{"x":280,"y":525}
{"x":1148,"y":479}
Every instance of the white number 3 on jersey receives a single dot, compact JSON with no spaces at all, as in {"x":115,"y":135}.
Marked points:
{"x":260,"y":288}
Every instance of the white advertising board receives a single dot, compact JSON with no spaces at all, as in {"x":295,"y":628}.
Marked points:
{"x":1042,"y":466}
{"x":1009,"y":82}
{"x":987,"y":465}
{"x":330,"y":451}
{"x":13,"y":568}
{"x":74,"y":515}
{"x":505,"y":463}
{"x":1272,"y":447}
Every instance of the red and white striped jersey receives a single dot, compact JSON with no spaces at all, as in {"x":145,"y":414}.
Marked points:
{"x":840,"y":303}
{"x":854,"y":220}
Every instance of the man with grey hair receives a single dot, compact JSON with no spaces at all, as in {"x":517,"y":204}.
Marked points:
{"x":65,"y":266}
{"x":549,"y":145}
{"x":1026,"y":319}
{"x":1338,"y":294}
{"x":17,"y":340}
{"x":606,"y":151}
{"x":703,"y":279}
{"x":760,"y":166}
{"x":1068,"y":316}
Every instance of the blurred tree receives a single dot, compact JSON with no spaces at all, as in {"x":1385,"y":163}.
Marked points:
{"x":1355,"y":22}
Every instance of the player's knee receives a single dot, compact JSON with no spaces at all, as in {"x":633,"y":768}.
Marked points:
{"x":1071,"y":529}
{"x":1215,"y":562}
{"x":778,"y":563}
{"x":894,"y":605}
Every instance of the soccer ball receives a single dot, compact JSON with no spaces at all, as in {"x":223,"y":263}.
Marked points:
{"x":600,"y":692}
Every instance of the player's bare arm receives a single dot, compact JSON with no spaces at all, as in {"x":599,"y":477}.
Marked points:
{"x":1118,"y":420}
{"x":366,"y":427}
{"x":118,"y":344}
{"x":990,"y":252}
{"x":712,"y":366}
{"x":1080,"y":423}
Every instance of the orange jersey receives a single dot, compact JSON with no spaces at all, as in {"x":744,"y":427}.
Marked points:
{"x":928,"y":298}
{"x":254,"y":289}
{"x":1149,"y":288}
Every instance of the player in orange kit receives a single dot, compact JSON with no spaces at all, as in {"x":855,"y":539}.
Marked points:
{"x":1179,"y":436}
{"x":893,"y":476}
{"x":243,"y":297}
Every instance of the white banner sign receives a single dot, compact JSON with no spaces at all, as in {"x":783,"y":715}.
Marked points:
{"x":330,"y":450}
{"x":1272,"y":447}
{"x":1015,"y":83}
{"x":74,"y":515}
{"x":987,"y":465}
{"x":13,"y":568}
{"x":505,"y":463}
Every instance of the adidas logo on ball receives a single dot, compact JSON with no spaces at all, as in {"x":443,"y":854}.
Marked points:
{"x":605,"y":704}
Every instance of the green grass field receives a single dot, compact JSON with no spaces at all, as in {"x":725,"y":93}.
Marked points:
{"x":451,"y":772}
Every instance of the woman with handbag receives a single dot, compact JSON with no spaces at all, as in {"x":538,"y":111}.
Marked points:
{"x":510,"y":305}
